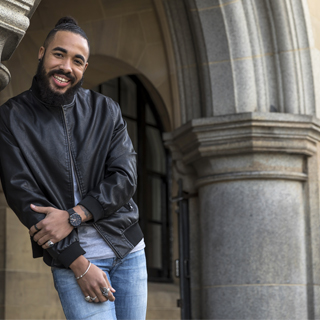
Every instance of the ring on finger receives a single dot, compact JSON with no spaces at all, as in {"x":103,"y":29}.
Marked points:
{"x":50,"y":244}
{"x":87,"y":298}
{"x":94,"y":298}
{"x":105,"y":291}
{"x":35,"y":226}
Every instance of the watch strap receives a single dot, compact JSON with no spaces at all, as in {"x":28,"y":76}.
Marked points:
{"x":71,"y":211}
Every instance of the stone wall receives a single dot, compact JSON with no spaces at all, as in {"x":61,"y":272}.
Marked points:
{"x":127,"y":37}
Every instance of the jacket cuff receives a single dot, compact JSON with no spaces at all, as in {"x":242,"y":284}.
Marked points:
{"x":93,"y":206}
{"x":68,"y":255}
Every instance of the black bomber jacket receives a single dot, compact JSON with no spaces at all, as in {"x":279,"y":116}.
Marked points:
{"x":39,"y":143}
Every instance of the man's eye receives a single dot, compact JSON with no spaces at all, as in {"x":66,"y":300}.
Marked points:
{"x":58,"y":54}
{"x":78,"y":62}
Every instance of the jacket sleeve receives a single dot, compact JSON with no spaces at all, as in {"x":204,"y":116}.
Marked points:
{"x":120,"y":181}
{"x":21,"y":189}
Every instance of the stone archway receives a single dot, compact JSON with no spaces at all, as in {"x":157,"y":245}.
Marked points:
{"x":249,"y":147}
{"x":244,"y":56}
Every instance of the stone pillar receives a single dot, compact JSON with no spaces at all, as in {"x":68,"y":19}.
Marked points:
{"x":257,"y":177}
{"x":14,"y":21}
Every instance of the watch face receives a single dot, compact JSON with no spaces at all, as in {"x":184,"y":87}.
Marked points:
{"x":75,"y":220}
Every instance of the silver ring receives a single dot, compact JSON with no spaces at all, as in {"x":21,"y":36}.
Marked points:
{"x":50,"y":244}
{"x":87,"y":298}
{"x":35,"y":226}
{"x":105,"y":291}
{"x":94,"y":298}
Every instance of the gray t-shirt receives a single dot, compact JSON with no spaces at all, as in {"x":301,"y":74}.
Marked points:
{"x":90,"y":240}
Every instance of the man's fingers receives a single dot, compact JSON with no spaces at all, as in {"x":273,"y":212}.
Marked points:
{"x":34,"y":230}
{"x":109,"y":296}
{"x":108,"y":283}
{"x":48,"y":244}
{"x":44,"y":210}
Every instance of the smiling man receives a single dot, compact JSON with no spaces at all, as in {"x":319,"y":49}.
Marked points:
{"x":68,"y":171}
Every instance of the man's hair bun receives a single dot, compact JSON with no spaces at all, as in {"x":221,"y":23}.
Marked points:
{"x":66,"y":24}
{"x":65,"y":20}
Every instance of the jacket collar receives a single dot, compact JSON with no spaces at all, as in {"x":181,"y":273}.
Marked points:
{"x":36,"y":92}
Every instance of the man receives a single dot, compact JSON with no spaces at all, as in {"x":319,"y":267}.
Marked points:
{"x":68,"y":171}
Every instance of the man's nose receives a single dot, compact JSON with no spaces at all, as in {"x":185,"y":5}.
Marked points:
{"x":66,"y":65}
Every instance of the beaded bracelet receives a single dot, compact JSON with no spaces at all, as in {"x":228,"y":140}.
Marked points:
{"x":77,"y":278}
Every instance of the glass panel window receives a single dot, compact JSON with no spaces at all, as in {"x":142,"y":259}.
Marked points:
{"x":128,"y":97}
{"x":155,"y":151}
{"x":156,"y":206}
{"x":132,"y":130}
{"x":110,"y":89}
{"x":150,"y":119}
{"x":153,"y":249}
{"x":145,"y":131}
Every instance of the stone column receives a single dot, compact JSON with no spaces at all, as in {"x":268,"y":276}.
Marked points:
{"x":257,"y":176}
{"x":14,"y":21}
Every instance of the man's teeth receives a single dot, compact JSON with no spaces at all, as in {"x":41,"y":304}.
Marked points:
{"x":61,"y":79}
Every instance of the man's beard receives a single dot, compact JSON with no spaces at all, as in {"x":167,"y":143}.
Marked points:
{"x":47,"y":94}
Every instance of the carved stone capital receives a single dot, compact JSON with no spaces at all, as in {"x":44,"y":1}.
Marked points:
{"x":14,"y":21}
{"x":245,"y":146}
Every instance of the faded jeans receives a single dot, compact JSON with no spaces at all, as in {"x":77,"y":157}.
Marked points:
{"x":127,"y":276}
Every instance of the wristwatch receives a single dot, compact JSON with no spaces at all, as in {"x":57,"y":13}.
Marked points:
{"x":75,"y":218}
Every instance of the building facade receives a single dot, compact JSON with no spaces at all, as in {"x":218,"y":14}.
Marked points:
{"x":222,"y":95}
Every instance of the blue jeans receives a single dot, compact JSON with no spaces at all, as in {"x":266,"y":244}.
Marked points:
{"x":127,"y":276}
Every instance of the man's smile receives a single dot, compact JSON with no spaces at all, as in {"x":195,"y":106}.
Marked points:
{"x":60,"y":80}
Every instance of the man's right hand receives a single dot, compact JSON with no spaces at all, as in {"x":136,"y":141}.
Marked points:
{"x":93,"y":281}
{"x":54,"y":227}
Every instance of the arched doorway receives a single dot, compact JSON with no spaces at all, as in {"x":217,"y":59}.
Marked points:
{"x":145,"y":129}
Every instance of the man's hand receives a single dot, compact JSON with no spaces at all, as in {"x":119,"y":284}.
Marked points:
{"x":93,"y":281}
{"x":54,"y":227}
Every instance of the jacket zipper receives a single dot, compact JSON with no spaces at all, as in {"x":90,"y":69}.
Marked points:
{"x":71,"y":160}
{"x":75,"y":174}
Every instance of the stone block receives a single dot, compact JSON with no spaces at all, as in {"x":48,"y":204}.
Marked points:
{"x":162,"y":301}
{"x":255,"y":302}
{"x":237,"y":31}
{"x":310,"y":83}
{"x":106,"y":41}
{"x":259,"y":239}
{"x":113,"y":8}
{"x":215,"y":35}
{"x":26,"y":291}
{"x":82,"y":11}
{"x":273,"y":85}
{"x":244,"y":81}
{"x":315,"y":22}
{"x":131,"y":37}
{"x":2,"y":293}
{"x":290,"y":82}
{"x":263,"y":20}
{"x":18,"y":249}
{"x":190,"y":93}
{"x":211,"y":4}
{"x":150,"y":26}
{"x":151,"y":59}
{"x":223,"y":95}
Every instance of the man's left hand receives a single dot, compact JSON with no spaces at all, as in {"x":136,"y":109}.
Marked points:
{"x":54,"y":227}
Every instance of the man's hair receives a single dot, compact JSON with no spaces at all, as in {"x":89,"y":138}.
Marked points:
{"x":66,"y":24}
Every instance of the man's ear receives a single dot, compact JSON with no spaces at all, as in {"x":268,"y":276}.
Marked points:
{"x":86,"y":66}
{"x":41,"y":52}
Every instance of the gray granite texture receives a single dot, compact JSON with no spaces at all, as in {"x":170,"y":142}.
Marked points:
{"x":248,"y":56}
{"x":256,"y":303}
{"x":257,"y":224}
{"x":14,"y":21}
{"x":253,"y":232}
